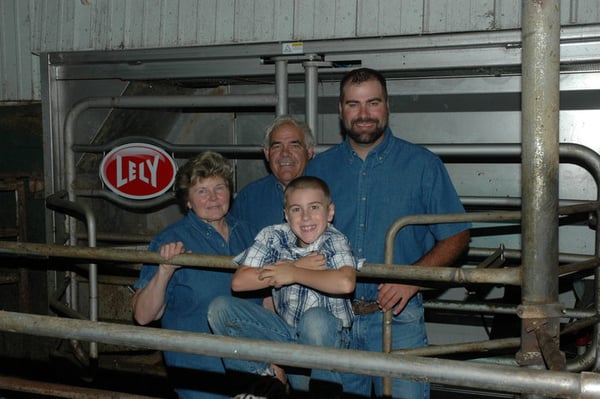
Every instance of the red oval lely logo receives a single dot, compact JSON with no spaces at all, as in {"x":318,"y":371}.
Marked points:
{"x":138,"y":171}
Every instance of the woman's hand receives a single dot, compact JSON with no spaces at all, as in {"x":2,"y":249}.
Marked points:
{"x":169,"y":251}
{"x":149,"y":302}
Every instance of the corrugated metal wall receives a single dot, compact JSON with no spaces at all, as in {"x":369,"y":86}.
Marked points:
{"x":30,"y":26}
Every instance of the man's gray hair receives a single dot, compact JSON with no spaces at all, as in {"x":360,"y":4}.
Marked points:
{"x":309,"y":140}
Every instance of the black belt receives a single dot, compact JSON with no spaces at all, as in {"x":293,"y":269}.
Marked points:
{"x":364,"y":307}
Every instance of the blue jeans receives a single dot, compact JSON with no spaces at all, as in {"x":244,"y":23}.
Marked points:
{"x":236,"y":317}
{"x":408,"y":331}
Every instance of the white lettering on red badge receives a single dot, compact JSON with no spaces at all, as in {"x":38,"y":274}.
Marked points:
{"x":138,"y":171}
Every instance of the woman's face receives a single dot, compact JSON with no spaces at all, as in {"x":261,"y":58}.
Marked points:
{"x":209,"y":199}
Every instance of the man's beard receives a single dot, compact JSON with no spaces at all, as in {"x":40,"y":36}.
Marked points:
{"x":366,"y":137}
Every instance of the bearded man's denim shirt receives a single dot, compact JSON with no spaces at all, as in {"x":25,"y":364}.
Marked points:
{"x":396,"y":179}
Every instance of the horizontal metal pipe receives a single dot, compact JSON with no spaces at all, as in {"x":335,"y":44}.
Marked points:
{"x":463,"y":347}
{"x":113,"y":254}
{"x":568,"y":152}
{"x":438,"y":274}
{"x":161,"y":201}
{"x":459,"y":373}
{"x":452,"y":153}
{"x":177,"y":149}
{"x":458,"y":275}
{"x":60,"y":390}
{"x":489,"y":345}
{"x":478,"y":307}
{"x":171,"y":102}
{"x":516,"y":254}
{"x":509,"y":276}
{"x":61,"y":309}
{"x":495,"y":202}
{"x":129,"y":239}
{"x":579,"y":266}
{"x":489,"y":216}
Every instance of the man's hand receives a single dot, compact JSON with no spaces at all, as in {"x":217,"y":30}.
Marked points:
{"x":395,"y":296}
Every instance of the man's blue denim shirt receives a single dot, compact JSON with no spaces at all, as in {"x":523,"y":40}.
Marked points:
{"x":396,"y":179}
{"x":260,"y":203}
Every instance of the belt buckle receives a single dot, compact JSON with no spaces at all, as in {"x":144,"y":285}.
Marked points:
{"x":364,"y":307}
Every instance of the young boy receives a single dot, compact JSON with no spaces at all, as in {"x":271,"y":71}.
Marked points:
{"x":312,"y":304}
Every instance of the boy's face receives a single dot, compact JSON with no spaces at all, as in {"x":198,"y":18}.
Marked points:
{"x":308,"y":211}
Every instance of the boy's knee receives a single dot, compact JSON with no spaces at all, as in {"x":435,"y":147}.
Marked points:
{"x":318,"y":327}
{"x":318,"y":316}
{"x":216,"y":309}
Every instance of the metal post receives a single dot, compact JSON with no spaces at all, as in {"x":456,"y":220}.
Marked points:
{"x":310,"y":92}
{"x":281,"y":86}
{"x":540,"y":310}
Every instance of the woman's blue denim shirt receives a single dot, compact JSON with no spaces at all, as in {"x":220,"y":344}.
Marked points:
{"x":191,"y":289}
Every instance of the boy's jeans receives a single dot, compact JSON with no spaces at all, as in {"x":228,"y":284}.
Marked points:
{"x":236,"y":317}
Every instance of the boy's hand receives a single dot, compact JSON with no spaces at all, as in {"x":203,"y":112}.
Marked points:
{"x":278,"y":274}
{"x":312,"y":261}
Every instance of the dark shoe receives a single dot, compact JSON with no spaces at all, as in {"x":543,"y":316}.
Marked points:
{"x":325,"y":390}
{"x":266,"y":387}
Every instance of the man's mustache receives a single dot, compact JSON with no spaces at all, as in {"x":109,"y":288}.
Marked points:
{"x":365,"y":120}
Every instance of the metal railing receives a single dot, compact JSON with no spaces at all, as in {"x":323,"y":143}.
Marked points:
{"x":506,"y":276}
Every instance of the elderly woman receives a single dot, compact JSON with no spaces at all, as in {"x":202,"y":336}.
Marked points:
{"x":179,"y":296}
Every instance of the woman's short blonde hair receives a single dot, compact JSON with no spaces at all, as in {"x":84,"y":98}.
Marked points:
{"x":206,"y":164}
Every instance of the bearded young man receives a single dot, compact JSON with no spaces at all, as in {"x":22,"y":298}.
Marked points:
{"x":376,"y":178}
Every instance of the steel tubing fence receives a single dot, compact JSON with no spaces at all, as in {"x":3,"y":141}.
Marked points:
{"x":458,"y":373}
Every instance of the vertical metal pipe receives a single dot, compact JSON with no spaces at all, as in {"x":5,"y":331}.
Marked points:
{"x":92,"y":276}
{"x":539,"y":173}
{"x":281,"y":87}
{"x":310,"y":94}
{"x":540,"y":106}
{"x":595,"y":345}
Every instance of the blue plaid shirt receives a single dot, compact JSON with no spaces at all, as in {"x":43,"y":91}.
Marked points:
{"x":278,"y":242}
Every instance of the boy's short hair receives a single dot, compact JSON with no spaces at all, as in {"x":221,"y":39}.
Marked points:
{"x":303,"y":182}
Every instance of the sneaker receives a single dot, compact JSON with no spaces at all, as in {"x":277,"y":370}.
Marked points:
{"x":267,"y":387}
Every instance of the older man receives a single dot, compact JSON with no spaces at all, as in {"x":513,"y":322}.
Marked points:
{"x":288,"y":146}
